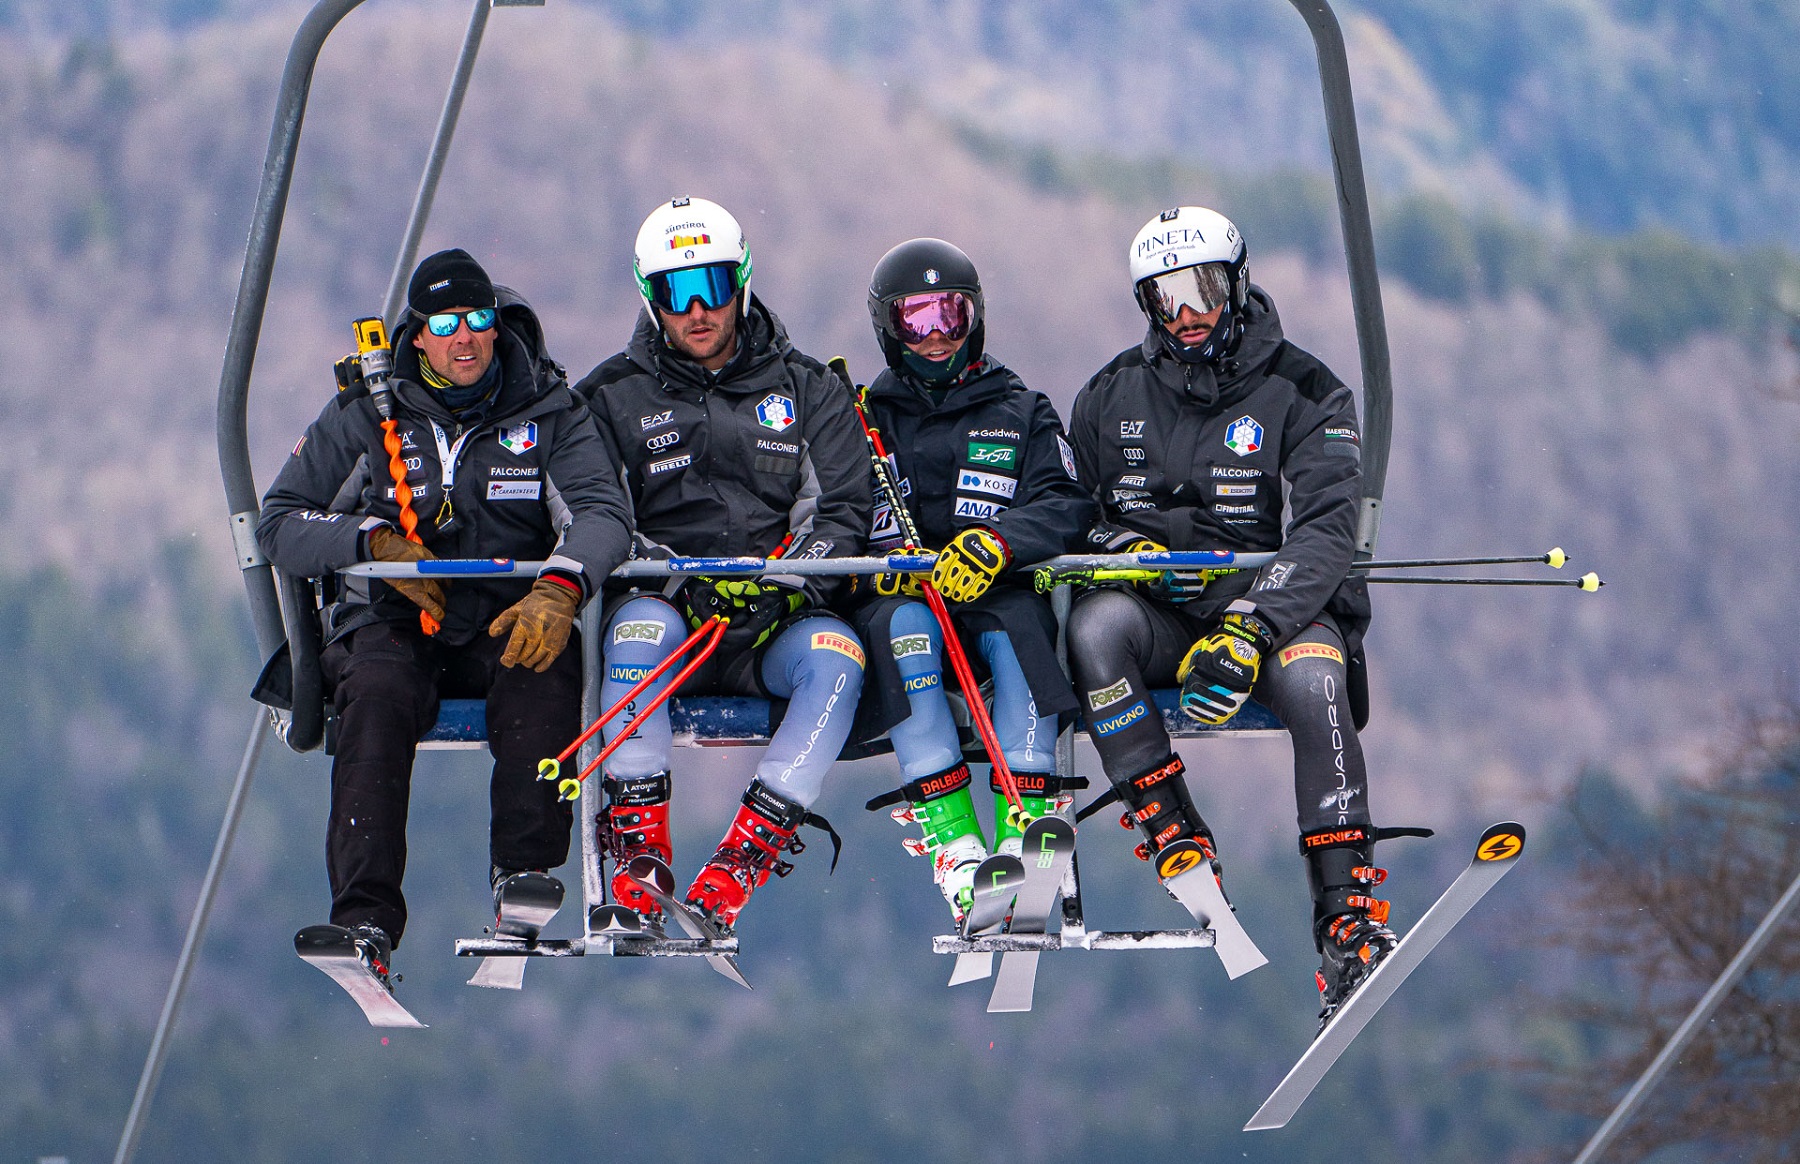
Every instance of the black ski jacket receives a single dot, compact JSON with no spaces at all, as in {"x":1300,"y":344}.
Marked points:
{"x":734,"y":463}
{"x":1196,"y":459}
{"x":991,"y":454}
{"x":531,"y":481}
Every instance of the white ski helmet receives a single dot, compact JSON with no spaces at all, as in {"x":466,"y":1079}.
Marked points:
{"x":691,"y":234}
{"x":1206,"y":243}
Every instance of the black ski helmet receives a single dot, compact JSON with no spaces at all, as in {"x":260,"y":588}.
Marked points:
{"x":912,"y":268}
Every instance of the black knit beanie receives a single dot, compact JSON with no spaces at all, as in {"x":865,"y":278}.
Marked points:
{"x":449,"y":279}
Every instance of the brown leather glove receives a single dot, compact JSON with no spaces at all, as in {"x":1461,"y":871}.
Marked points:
{"x":540,"y":624}
{"x":386,"y":545}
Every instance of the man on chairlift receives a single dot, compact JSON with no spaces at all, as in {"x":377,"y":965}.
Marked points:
{"x":473,"y":448}
{"x":732,"y":443}
{"x":1192,"y":439}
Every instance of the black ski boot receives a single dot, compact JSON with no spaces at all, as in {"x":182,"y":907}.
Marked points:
{"x":1158,"y":805}
{"x":1349,"y":926}
{"x":376,"y":950}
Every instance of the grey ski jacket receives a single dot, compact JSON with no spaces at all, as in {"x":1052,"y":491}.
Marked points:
{"x":734,"y":463}
{"x":531,"y":481}
{"x":1197,"y":460}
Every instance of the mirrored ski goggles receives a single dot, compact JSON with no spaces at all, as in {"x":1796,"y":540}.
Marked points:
{"x":443,"y":324}
{"x":714,"y":285}
{"x":1204,"y":288}
{"x":914,"y":317}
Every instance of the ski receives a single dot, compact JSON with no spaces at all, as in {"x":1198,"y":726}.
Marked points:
{"x":1049,"y":846}
{"x":1495,"y":854}
{"x":333,"y":950}
{"x":1192,"y":879}
{"x":616,"y":921}
{"x":997,"y":882}
{"x":650,"y":872}
{"x":526,"y":903}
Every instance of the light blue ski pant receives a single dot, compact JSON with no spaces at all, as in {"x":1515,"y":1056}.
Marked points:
{"x":816,"y":664}
{"x":926,"y":741}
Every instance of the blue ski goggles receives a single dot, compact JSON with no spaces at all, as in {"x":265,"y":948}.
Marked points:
{"x":714,"y":285}
{"x":443,"y":324}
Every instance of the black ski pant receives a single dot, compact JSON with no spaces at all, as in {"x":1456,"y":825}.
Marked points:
{"x":387,"y":679}
{"x":1123,"y":644}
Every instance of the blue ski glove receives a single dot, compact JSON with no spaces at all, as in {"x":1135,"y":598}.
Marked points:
{"x":1221,"y":669}
{"x":969,"y":564}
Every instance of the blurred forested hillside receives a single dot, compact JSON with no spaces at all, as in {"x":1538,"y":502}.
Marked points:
{"x":1611,"y":115}
{"x":1562,"y":377}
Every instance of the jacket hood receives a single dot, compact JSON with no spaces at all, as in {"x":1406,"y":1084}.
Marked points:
{"x":762,"y":341}
{"x":1223,"y":384}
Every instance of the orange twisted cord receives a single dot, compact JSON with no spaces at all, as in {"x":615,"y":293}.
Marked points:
{"x":409,"y":521}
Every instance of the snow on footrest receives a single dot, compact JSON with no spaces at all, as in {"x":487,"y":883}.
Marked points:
{"x":706,"y":720}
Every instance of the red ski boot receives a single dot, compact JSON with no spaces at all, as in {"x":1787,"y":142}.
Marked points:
{"x":634,"y":822}
{"x":763,"y":830}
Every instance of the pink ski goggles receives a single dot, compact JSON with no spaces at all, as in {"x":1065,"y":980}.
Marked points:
{"x":914,"y":317}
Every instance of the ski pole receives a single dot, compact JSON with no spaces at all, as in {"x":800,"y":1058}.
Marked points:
{"x":551,"y":769}
{"x":570,"y":788}
{"x":1555,"y":559}
{"x":959,"y":660}
{"x":1589,"y":582}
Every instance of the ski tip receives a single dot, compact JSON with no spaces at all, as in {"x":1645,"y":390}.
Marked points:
{"x":1501,"y":842}
{"x":320,"y":937}
{"x":651,"y":871}
{"x":1178,"y":858}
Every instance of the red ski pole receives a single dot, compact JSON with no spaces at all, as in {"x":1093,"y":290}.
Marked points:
{"x":959,"y":660}
{"x":570,"y":788}
{"x":550,"y":769}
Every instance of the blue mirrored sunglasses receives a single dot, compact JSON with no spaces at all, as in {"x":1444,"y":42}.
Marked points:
{"x":713,"y":285}
{"x":443,"y":324}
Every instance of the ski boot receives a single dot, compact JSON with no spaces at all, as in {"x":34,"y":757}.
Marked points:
{"x":1158,"y":805}
{"x":375,"y":949}
{"x":941,"y":806}
{"x":1035,"y":800}
{"x":761,"y":832}
{"x":635,"y":822}
{"x":1349,"y":927}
